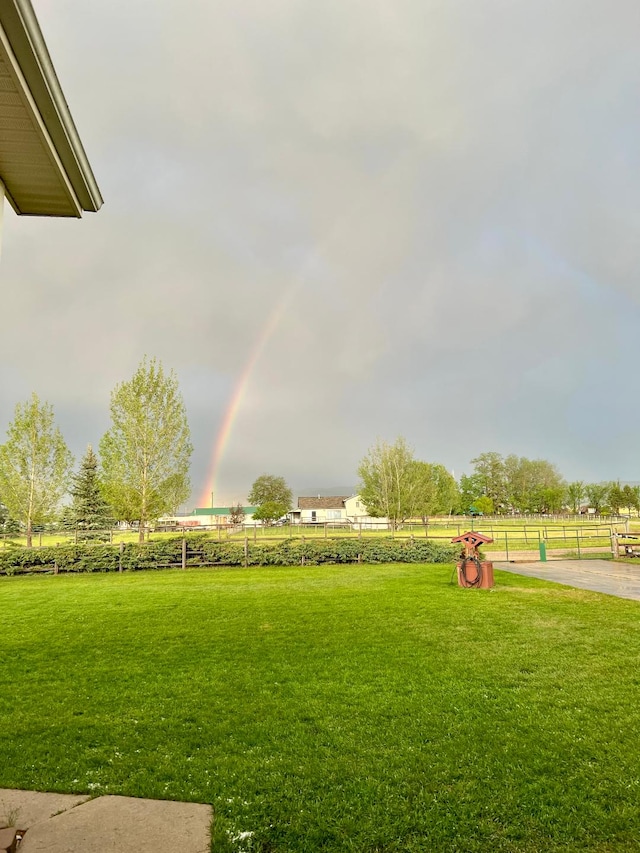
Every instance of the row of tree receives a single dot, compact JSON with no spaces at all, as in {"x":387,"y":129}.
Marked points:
{"x":396,"y":485}
{"x":143,"y":471}
{"x":515,"y":484}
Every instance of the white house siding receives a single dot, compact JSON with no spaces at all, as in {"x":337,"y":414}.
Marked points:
{"x":358,"y":515}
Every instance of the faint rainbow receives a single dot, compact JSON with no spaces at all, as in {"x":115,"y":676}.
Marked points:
{"x":233,"y":406}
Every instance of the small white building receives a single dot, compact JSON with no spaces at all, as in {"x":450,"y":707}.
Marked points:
{"x":358,"y":515}
{"x":336,"y":510}
{"x":318,"y":510}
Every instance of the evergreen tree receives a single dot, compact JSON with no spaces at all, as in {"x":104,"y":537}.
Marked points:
{"x":88,"y":511}
{"x":8,"y":525}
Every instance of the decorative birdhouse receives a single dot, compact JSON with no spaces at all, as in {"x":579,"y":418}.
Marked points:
{"x":471,"y":571}
{"x":472,"y":540}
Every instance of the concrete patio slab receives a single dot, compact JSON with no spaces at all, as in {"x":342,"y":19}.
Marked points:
{"x":24,"y":808}
{"x":607,"y":576}
{"x":114,"y":825}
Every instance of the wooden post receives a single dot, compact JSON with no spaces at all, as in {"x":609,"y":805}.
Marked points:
{"x":255,"y":532}
{"x":120,"y":557}
{"x":506,"y":544}
{"x":184,"y":553}
{"x":246,"y":551}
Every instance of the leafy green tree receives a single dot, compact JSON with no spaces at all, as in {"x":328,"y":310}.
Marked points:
{"x":425,"y":490}
{"x":616,"y":497}
{"x":88,"y":510}
{"x":448,"y":491}
{"x":272,"y":496}
{"x":435,"y":491}
{"x":552,"y":498}
{"x":631,"y":498}
{"x":35,"y":465}
{"x":489,"y":468}
{"x":597,"y":495}
{"x":471,"y":488}
{"x":575,"y":495}
{"x":533,"y":485}
{"x":484,"y":505}
{"x":389,"y":485}
{"x":145,"y":454}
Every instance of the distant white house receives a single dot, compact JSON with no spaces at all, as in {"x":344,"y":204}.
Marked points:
{"x":318,"y":510}
{"x":336,"y":510}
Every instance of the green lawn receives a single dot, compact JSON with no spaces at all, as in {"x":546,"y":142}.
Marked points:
{"x":342,"y":708}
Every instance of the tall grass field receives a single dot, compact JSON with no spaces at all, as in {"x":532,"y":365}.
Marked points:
{"x":375,"y":709}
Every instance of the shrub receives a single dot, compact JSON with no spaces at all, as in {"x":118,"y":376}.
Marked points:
{"x":203,"y":551}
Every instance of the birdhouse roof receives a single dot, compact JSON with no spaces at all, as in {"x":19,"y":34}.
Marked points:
{"x":472,"y":537}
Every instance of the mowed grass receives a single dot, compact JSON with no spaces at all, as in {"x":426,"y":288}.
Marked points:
{"x":364,"y":708}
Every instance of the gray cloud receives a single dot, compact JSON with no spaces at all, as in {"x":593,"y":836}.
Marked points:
{"x":442,"y":198}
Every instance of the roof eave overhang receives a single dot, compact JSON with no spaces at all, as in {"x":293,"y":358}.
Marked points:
{"x":27,"y":51}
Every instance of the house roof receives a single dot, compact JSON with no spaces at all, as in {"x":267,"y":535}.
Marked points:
{"x":333,"y":502}
{"x":43,"y":165}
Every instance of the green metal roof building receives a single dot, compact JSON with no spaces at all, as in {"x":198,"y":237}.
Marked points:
{"x":223,"y":510}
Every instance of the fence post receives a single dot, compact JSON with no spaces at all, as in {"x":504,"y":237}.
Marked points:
{"x":614,"y":544}
{"x":120,"y":557}
{"x":578,"y":541}
{"x":506,"y":545}
{"x":246,"y":551}
{"x":184,"y":553}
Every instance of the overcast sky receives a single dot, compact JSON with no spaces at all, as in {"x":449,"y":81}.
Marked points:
{"x":425,"y":214}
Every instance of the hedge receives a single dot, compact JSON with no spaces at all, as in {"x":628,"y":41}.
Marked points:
{"x":203,"y":551}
